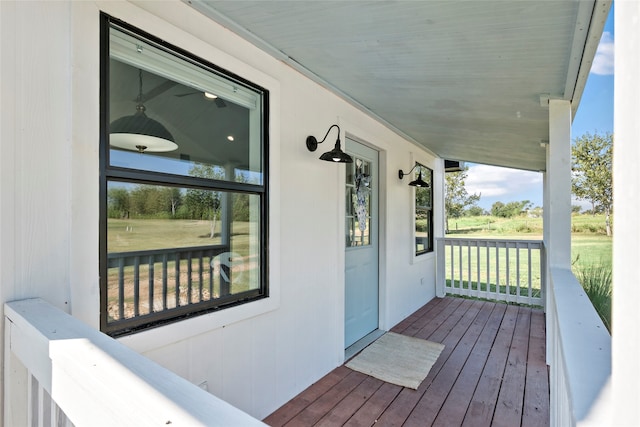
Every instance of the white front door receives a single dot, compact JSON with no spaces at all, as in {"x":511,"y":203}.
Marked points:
{"x":361,"y":263}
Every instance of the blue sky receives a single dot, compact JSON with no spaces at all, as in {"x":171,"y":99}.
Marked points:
{"x":595,"y":114}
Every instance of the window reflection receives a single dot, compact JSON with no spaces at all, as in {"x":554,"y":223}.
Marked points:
{"x":210,"y":130}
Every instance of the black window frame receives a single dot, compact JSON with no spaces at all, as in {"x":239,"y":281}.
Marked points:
{"x":121,"y":174}
{"x":428,"y":177}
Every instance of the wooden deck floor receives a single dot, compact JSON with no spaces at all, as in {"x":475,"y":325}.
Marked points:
{"x":492,"y":372}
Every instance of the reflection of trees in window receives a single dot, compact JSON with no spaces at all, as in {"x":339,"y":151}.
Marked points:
{"x":118,"y":203}
{"x":144,"y":201}
{"x":205,"y":204}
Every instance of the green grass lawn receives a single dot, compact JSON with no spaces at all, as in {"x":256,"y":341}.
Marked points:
{"x":124,"y":235}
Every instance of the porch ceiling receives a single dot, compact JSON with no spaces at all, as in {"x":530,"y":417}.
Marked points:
{"x":461,"y":78}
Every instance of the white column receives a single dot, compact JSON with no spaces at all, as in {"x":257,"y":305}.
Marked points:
{"x":626,"y":231}
{"x":558,"y":186}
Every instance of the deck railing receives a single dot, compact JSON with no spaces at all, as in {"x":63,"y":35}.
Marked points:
{"x":60,"y":372}
{"x":492,"y":269}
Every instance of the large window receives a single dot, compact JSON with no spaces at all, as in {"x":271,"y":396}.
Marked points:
{"x":183,"y":184}
{"x":424,"y":211}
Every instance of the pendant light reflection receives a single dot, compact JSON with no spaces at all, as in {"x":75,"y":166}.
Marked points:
{"x":140,"y":133}
{"x":336,"y":155}
{"x":420,"y":183}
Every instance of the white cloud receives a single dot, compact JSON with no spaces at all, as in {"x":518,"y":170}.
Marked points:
{"x":603,"y":61}
{"x":495,"y":183}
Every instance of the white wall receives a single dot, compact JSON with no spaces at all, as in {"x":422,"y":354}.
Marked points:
{"x":255,"y":356}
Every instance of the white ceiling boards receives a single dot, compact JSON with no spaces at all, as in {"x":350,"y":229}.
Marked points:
{"x":462,"y":78}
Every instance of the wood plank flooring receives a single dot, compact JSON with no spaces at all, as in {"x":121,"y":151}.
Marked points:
{"x":492,"y":372}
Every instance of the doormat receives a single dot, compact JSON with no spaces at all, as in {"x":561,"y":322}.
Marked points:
{"x":397,"y":359}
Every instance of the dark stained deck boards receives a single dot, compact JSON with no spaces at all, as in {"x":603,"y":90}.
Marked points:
{"x":369,"y":413}
{"x":308,"y":396}
{"x":454,"y":408}
{"x":510,"y":400}
{"x":491,"y":372}
{"x":483,"y":403}
{"x":536,"y":391}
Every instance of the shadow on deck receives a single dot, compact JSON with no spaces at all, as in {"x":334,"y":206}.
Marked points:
{"x":492,"y":372}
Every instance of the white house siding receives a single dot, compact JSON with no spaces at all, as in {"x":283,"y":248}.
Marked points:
{"x":255,"y":356}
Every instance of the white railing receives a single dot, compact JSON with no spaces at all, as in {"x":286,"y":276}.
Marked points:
{"x":578,"y":354}
{"x":60,"y":372}
{"x":493,"y":269}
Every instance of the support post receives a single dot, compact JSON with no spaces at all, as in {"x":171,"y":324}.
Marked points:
{"x":558,"y":185}
{"x":557,"y":202}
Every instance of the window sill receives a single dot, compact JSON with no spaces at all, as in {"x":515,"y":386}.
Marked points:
{"x":181,"y":330}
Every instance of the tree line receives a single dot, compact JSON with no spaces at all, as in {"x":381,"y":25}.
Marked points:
{"x":591,"y":181}
{"x":144,"y":201}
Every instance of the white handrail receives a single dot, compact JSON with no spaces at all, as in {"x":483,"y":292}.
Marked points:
{"x":56,"y":367}
{"x":579,"y":353}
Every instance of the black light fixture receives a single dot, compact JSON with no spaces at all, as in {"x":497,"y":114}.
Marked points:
{"x":417,"y":182}
{"x":139,"y":132}
{"x":336,"y":155}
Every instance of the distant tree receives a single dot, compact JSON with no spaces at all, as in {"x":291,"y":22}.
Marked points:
{"x":497,"y":209}
{"x":146,"y":200}
{"x":456,"y":198}
{"x":171,"y":199}
{"x":536,"y":212}
{"x":205,"y":204}
{"x":576,"y":209}
{"x":474,"y":210}
{"x":118,"y":203}
{"x":591,"y":166}
{"x":510,"y":209}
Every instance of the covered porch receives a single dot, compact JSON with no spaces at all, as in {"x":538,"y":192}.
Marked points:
{"x":502,"y":364}
{"x":492,"y":371}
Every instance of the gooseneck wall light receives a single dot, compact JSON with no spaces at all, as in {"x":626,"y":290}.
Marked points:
{"x":417,"y":182}
{"x":140,"y":133}
{"x":335,"y":155}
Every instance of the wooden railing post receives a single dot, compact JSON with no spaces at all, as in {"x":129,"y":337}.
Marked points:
{"x":440,"y":266}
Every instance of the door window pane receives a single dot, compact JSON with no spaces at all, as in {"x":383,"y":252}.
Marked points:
{"x":358,"y":204}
